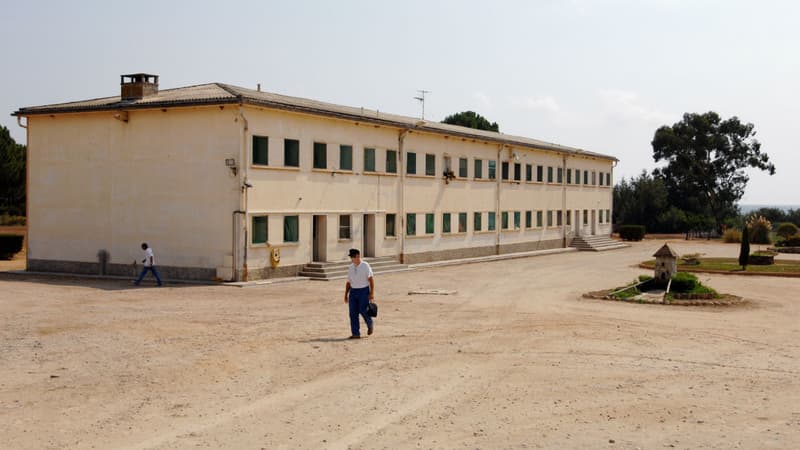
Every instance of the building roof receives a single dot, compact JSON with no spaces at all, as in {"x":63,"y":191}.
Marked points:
{"x":665,"y":251}
{"x":223,"y":94}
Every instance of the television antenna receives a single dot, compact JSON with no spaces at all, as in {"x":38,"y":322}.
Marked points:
{"x":421,"y":99}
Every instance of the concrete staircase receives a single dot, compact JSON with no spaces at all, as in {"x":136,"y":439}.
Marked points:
{"x":325,"y":271}
{"x":596,"y":243}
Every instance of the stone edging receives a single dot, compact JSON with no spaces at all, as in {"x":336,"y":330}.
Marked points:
{"x":724,"y":300}
{"x":725,"y":272}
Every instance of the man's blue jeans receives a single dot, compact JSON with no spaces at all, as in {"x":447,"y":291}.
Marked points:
{"x":144,"y":272}
{"x":358,"y":302}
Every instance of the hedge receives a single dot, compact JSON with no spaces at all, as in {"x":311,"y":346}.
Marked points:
{"x":10,"y":245}
{"x":632,"y":232}
{"x":683,"y":282}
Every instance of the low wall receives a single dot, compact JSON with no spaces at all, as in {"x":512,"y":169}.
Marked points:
{"x":475,"y":252}
{"x":122,"y":270}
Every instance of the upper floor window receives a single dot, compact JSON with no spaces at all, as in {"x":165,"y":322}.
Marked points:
{"x":462,"y":167}
{"x":478,"y":173}
{"x":539,"y":174}
{"x":549,"y":174}
{"x":430,"y":165}
{"x":369,"y":160}
{"x":320,"y":155}
{"x":260,"y":150}
{"x":391,"y":161}
{"x":528,"y":172}
{"x":411,"y":163}
{"x":492,"y":169}
{"x":346,"y":157}
{"x":505,"y":170}
{"x":291,"y":153}
{"x":517,"y":171}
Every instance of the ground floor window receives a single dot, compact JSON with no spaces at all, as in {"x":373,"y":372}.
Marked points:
{"x":259,"y":230}
{"x":429,"y":223}
{"x":462,"y":222}
{"x":291,"y":226}
{"x":390,"y":230}
{"x":504,"y":218}
{"x":585,"y":213}
{"x":411,"y":224}
{"x":559,"y":218}
{"x":569,"y":217}
{"x":344,"y":227}
{"x":539,"y":219}
{"x":492,"y":220}
{"x":476,"y":223}
{"x":517,"y":219}
{"x":528,"y":219}
{"x":549,"y":218}
{"x":446,"y":223}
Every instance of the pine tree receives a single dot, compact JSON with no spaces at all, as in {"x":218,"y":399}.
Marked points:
{"x":744,"y":250}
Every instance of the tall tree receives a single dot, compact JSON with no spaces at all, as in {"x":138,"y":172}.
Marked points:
{"x":471,"y":119}
{"x":12,"y":175}
{"x":706,"y":157}
{"x":640,"y":201}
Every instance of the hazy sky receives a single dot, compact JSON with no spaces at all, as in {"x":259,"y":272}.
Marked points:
{"x":599,"y":75}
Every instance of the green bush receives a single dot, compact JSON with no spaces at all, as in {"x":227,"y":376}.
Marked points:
{"x":791,"y":241}
{"x":683,"y":282}
{"x":632,"y":232}
{"x":732,"y":235}
{"x":10,"y":245}
{"x":6,"y":220}
{"x":787,"y":230}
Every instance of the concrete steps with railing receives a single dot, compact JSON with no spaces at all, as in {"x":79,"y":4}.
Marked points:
{"x":334,"y":270}
{"x":596,"y":243}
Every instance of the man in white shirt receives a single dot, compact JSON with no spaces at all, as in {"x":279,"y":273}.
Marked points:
{"x":149,"y":264}
{"x":359,"y":291}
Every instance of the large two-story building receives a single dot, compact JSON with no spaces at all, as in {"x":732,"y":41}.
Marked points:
{"x":232,"y":183}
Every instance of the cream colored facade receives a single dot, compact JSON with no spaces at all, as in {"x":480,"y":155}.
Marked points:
{"x":183,"y":178}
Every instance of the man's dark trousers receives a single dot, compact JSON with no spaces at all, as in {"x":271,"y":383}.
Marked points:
{"x":359,"y":302}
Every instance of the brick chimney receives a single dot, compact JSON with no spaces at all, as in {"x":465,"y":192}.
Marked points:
{"x":136,"y":86}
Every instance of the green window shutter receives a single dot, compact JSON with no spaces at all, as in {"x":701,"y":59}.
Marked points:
{"x":291,"y":230}
{"x":539,"y":219}
{"x":411,"y":163}
{"x":429,"y":220}
{"x":585,"y":177}
{"x":259,"y":230}
{"x":560,"y":178}
{"x":462,"y":222}
{"x":260,"y":150}
{"x":516,"y":219}
{"x":391,"y":161}
{"x":430,"y":165}
{"x":549,"y":174}
{"x":492,"y":170}
{"x":346,"y":157}
{"x":539,"y":174}
{"x":320,"y":155}
{"x":291,"y":153}
{"x":369,"y":160}
{"x":504,"y":220}
{"x":504,"y":170}
{"x":528,"y":172}
{"x":411,"y":224}
{"x":476,"y":223}
{"x":446,"y":223}
{"x":569,"y":176}
{"x":517,"y":171}
{"x":478,"y":169}
{"x":528,"y":219}
{"x":462,"y":167}
{"x":492,"y":221}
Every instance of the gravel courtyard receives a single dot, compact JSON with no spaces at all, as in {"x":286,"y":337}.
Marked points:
{"x":515,"y":359}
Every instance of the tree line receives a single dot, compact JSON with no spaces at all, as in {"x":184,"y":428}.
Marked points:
{"x":12,"y":175}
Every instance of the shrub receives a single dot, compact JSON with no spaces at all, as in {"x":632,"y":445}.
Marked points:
{"x":791,"y":241}
{"x":759,"y":230}
{"x":683,"y":282}
{"x":732,"y":236}
{"x":10,"y":244}
{"x":787,"y":230}
{"x":631,"y":232}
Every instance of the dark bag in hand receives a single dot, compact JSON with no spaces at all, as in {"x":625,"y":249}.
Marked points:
{"x":372,"y":309}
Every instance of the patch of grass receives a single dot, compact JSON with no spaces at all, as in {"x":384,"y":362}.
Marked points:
{"x":731,"y":265}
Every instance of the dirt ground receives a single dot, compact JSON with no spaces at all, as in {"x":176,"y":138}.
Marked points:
{"x":515,"y":359}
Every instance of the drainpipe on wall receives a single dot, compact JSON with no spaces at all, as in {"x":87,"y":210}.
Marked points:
{"x":564,"y":200}
{"x":401,"y":137}
{"x":497,"y":213}
{"x":242,"y":179}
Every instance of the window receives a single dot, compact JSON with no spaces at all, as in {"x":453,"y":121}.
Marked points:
{"x":369,"y":160}
{"x":504,"y":219}
{"x":594,"y":178}
{"x":577,"y":176}
{"x":569,"y":176}
{"x":259,"y":230}
{"x":585,"y":211}
{"x":504,"y":170}
{"x":462,"y":222}
{"x":462,"y":167}
{"x":517,"y":171}
{"x":391,"y":161}
{"x":478,"y":169}
{"x":492,"y":170}
{"x":345,"y":157}
{"x":599,"y":216}
{"x":492,"y":225}
{"x":411,"y":224}
{"x":539,"y":219}
{"x":528,"y":219}
{"x":429,"y":222}
{"x":320,"y":155}
{"x":291,"y":153}
{"x":539,"y":174}
{"x":430,"y":165}
{"x":569,"y":217}
{"x":260,"y":150}
{"x":608,"y":216}
{"x":390,"y":229}
{"x":549,"y":218}
{"x":291,"y":228}
{"x":608,"y":179}
{"x":560,"y":175}
{"x":411,"y":163}
{"x":549,"y":174}
{"x":559,"y":218}
{"x":516,"y":220}
{"x":600,"y":179}
{"x":476,"y":221}
{"x":344,"y":227}
{"x":528,"y":172}
{"x":446,"y":223}
{"x":585,"y":177}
